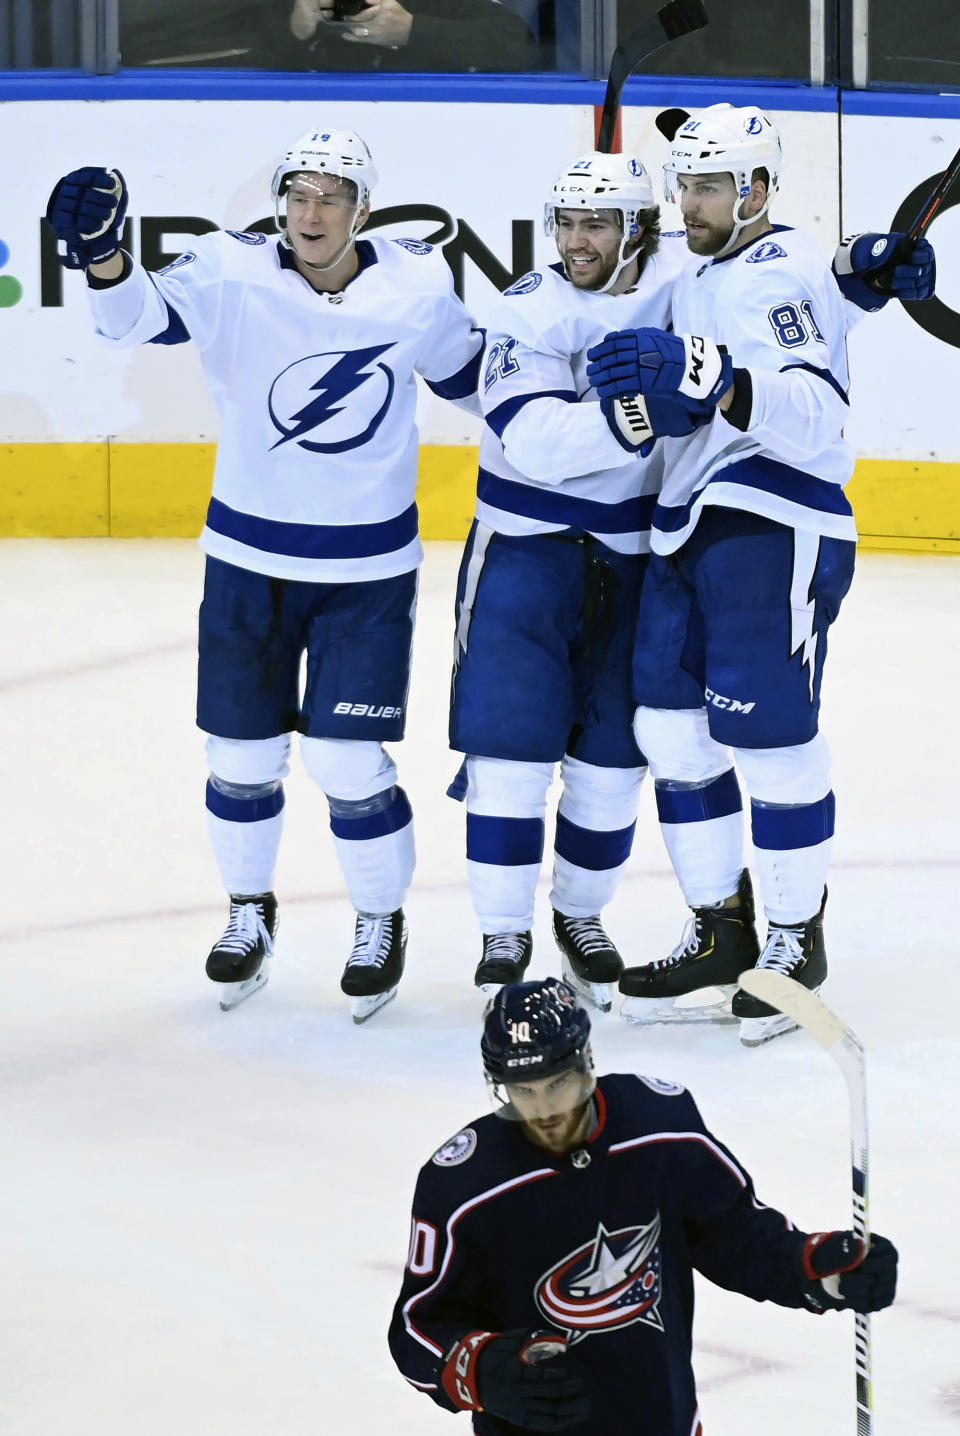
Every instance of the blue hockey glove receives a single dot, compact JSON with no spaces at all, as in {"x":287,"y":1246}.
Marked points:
{"x":871,"y":268}
{"x":86,"y":212}
{"x":843,"y":1275}
{"x":637,"y":422}
{"x":520,"y":1376}
{"x":651,"y":361}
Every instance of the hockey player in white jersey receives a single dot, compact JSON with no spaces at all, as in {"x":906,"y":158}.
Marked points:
{"x":550,"y":580}
{"x":310,"y":344}
{"x":754,"y":544}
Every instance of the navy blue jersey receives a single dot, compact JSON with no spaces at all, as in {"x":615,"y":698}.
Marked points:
{"x":600,"y":1243}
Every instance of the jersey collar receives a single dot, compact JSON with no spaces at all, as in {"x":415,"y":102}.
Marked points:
{"x":774,"y":229}
{"x":366,"y":258}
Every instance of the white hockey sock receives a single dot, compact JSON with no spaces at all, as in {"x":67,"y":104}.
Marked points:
{"x":595,"y":824}
{"x":374,"y":842}
{"x":506,"y":803}
{"x":792,"y":865}
{"x":245,"y":822}
{"x":702,"y":826}
{"x":793,"y":814}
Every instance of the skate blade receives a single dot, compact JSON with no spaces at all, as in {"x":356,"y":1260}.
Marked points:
{"x":489,"y":989}
{"x":599,"y":994}
{"x":755,"y":1031}
{"x":363,"y":1008}
{"x":233,"y":993}
{"x":647,"y":1011}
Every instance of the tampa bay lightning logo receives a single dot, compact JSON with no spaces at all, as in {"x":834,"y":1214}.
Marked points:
{"x":415,"y":246}
{"x":527,"y":284}
{"x":307,"y":399}
{"x":252,"y":237}
{"x":768,"y":250}
{"x":187,"y":257}
{"x":635,"y":168}
{"x":609,"y":1282}
{"x":754,"y":125}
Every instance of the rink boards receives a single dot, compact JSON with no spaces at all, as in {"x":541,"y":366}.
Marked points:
{"x":95,"y":442}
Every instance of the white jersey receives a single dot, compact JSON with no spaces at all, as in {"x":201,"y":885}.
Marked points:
{"x":317,"y":459}
{"x":548,"y":460}
{"x":776,"y":306}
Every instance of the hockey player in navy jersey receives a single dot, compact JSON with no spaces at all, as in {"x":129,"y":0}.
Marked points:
{"x":549,"y":1281}
{"x":550,"y":580}
{"x":753,"y":542}
{"x":311,"y":343}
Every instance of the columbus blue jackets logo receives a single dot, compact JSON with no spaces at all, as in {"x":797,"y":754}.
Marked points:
{"x":331,"y":402}
{"x":457,"y":1149}
{"x":609,"y":1282}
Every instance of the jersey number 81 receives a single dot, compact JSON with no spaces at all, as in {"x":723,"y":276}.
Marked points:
{"x":794,"y":324}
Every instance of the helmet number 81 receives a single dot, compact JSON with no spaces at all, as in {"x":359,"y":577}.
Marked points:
{"x":794,"y":324}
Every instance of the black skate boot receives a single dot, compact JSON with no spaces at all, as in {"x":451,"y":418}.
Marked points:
{"x":718,"y":944}
{"x":591,"y":963}
{"x":798,"y":951}
{"x":241,"y":957}
{"x":375,"y":966}
{"x":506,"y":957}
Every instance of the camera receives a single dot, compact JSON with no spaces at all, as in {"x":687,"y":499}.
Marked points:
{"x":346,"y":9}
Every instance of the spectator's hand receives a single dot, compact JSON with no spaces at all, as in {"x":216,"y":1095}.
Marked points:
{"x":307,"y":15}
{"x":384,"y":22}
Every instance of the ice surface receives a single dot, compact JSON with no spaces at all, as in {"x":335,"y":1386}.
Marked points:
{"x":205,"y":1215}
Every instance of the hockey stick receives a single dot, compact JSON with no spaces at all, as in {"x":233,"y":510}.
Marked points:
{"x":678,"y":17}
{"x":845,"y":1047}
{"x":918,"y":229}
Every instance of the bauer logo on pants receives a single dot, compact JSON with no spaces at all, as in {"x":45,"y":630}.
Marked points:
{"x":367,"y":710}
{"x":609,"y":1282}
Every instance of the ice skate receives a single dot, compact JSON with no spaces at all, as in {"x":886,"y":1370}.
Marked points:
{"x":591,"y":964}
{"x":697,"y":981}
{"x":375,"y":966}
{"x":506,"y":957}
{"x":797,"y":950}
{"x":240,"y":960}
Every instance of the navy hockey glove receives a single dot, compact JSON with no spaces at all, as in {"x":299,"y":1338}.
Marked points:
{"x":637,"y":422}
{"x":843,"y":1276}
{"x":86,"y":212}
{"x":651,"y":361}
{"x":519,"y":1376}
{"x":871,"y":268}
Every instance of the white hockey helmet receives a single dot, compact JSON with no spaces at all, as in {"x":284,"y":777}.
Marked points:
{"x":725,"y":139}
{"x":598,"y":181}
{"x":328,"y":152}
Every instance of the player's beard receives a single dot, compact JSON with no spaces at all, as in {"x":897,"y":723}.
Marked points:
{"x":712,"y":242}
{"x":599,"y":276}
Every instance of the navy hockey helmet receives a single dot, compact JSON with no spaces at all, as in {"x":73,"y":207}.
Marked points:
{"x":533,"y":1030}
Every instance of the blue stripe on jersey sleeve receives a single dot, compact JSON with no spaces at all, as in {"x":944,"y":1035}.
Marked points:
{"x":313,"y":540}
{"x":823,"y":374}
{"x":770,"y":477}
{"x":176,"y":331}
{"x":627,"y":517}
{"x":466,"y":380}
{"x":499,"y":418}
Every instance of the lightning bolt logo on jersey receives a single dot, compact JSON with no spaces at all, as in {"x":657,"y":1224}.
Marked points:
{"x":317,"y":450}
{"x":342,"y":374}
{"x":609,"y":1282}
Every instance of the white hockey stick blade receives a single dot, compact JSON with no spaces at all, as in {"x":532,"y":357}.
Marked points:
{"x":797,"y":1002}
